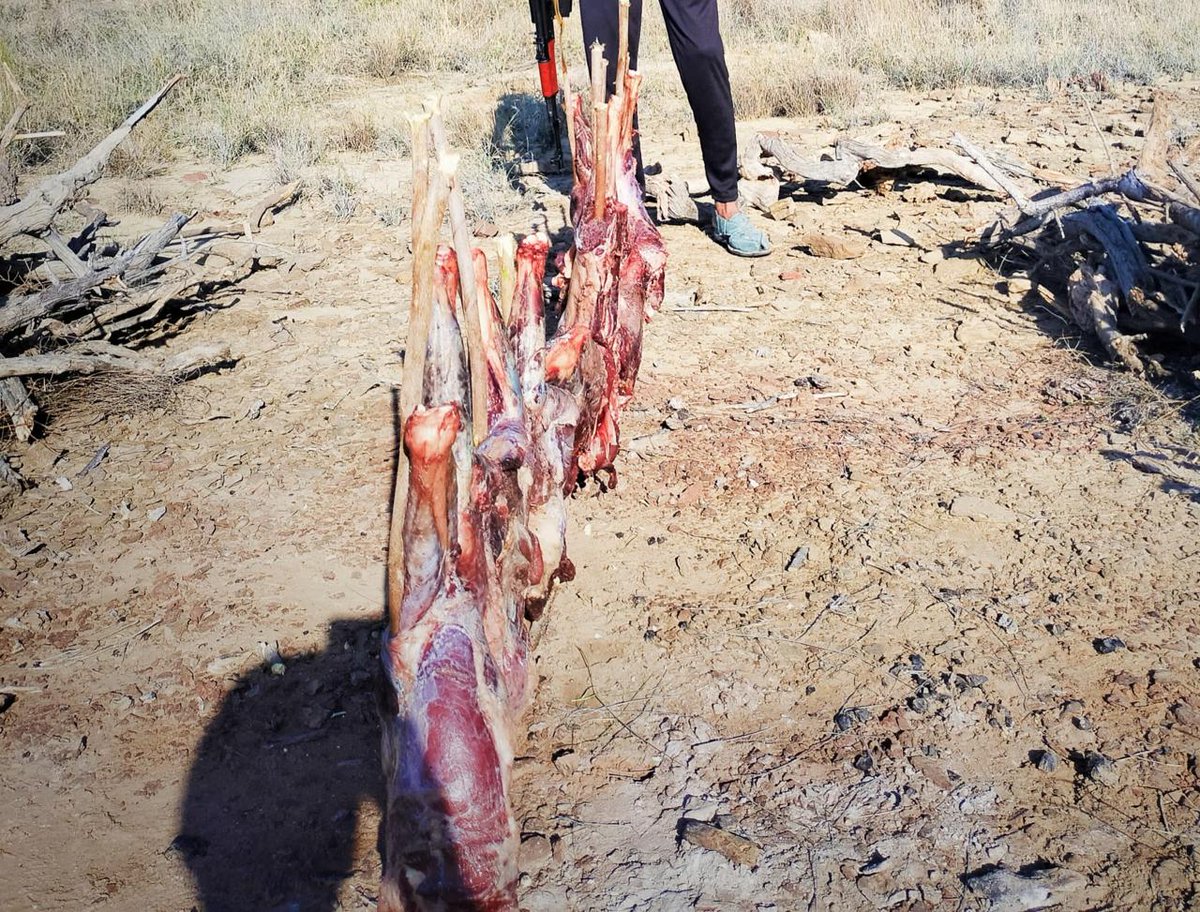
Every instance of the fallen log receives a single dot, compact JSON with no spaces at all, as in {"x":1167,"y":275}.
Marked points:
{"x":838,"y":172}
{"x":1094,"y":306}
{"x":34,"y":212}
{"x":89,"y":357}
{"x":940,"y":161}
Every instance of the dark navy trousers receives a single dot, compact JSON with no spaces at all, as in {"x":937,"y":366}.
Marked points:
{"x":693,"y":28}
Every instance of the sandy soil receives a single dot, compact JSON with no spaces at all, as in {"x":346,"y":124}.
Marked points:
{"x":948,"y":472}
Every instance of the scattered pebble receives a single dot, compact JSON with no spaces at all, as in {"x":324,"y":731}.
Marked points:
{"x":798,"y":559}
{"x":1046,"y":761}
{"x":847,"y":718}
{"x":1014,"y":891}
{"x":1099,"y":769}
{"x":1106,"y":645}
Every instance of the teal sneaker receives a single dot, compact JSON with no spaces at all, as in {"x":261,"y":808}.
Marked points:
{"x":739,"y":237}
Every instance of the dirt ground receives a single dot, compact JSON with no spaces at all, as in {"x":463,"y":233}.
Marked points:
{"x":873,"y":518}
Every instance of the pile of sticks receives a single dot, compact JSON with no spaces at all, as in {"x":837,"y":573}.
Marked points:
{"x":76,"y":302}
{"x":1125,"y":250}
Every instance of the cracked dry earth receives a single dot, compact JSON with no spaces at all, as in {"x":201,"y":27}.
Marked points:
{"x":844,"y":605}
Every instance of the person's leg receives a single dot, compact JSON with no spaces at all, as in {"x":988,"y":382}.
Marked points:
{"x":693,"y":27}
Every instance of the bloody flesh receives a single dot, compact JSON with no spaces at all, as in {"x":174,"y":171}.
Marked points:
{"x":483,"y":521}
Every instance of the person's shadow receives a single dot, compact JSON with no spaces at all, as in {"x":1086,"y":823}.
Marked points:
{"x":279,"y":781}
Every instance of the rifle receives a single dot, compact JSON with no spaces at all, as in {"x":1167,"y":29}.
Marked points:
{"x":543,"y":13}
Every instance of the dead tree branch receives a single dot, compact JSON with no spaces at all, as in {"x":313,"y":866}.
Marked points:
{"x":33,"y":213}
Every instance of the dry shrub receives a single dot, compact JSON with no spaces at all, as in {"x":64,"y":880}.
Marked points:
{"x":360,"y":133}
{"x":82,"y":401}
{"x":293,"y":149}
{"x":139,"y":197}
{"x":792,"y":87}
{"x":340,"y":195}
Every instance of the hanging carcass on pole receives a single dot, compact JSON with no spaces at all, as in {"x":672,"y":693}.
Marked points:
{"x":498,"y":426}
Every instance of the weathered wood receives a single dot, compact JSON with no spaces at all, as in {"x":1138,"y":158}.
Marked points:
{"x":263,"y":214}
{"x":8,"y":178}
{"x":65,"y":254}
{"x":836,"y":173}
{"x":10,"y":477}
{"x":1185,"y":178}
{"x":1094,"y":306}
{"x":761,"y":194}
{"x":34,"y":212}
{"x":995,"y":173}
{"x":1153,"y":160}
{"x":19,"y":405}
{"x":942,"y":161}
{"x":89,"y":357}
{"x":17,"y":313}
{"x":672,"y":199}
{"x":149,"y":247}
{"x":1126,"y":261}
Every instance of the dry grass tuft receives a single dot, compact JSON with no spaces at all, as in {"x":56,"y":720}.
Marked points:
{"x":82,"y":401}
{"x":340,"y":195}
{"x":258,"y":68}
{"x":793,"y":87}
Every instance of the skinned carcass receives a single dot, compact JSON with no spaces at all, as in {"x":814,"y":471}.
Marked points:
{"x":616,"y":266}
{"x":497,"y":424}
{"x":455,"y":671}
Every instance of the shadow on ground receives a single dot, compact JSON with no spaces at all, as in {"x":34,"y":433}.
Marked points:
{"x":281,"y":777}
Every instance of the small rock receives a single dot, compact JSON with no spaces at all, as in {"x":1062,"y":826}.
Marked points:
{"x":737,"y":849}
{"x":864,"y":762}
{"x":1006,"y":622}
{"x":1186,"y":714}
{"x":798,"y":559}
{"x":831,"y":247}
{"x":1099,"y":769}
{"x":875,"y":864}
{"x":956,"y":269}
{"x":486,"y":230}
{"x":900,"y":237}
{"x":1011,"y":891}
{"x":64,"y":482}
{"x":846,"y":719}
{"x":535,"y":853}
{"x":1046,"y":761}
{"x":1105,"y":645}
{"x":156,"y":514}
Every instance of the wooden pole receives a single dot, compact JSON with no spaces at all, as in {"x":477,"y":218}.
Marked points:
{"x":599,"y":130}
{"x":431,"y":194}
{"x":622,"y":44}
{"x":506,"y":250}
{"x":600,"y":152}
{"x":461,"y":236}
